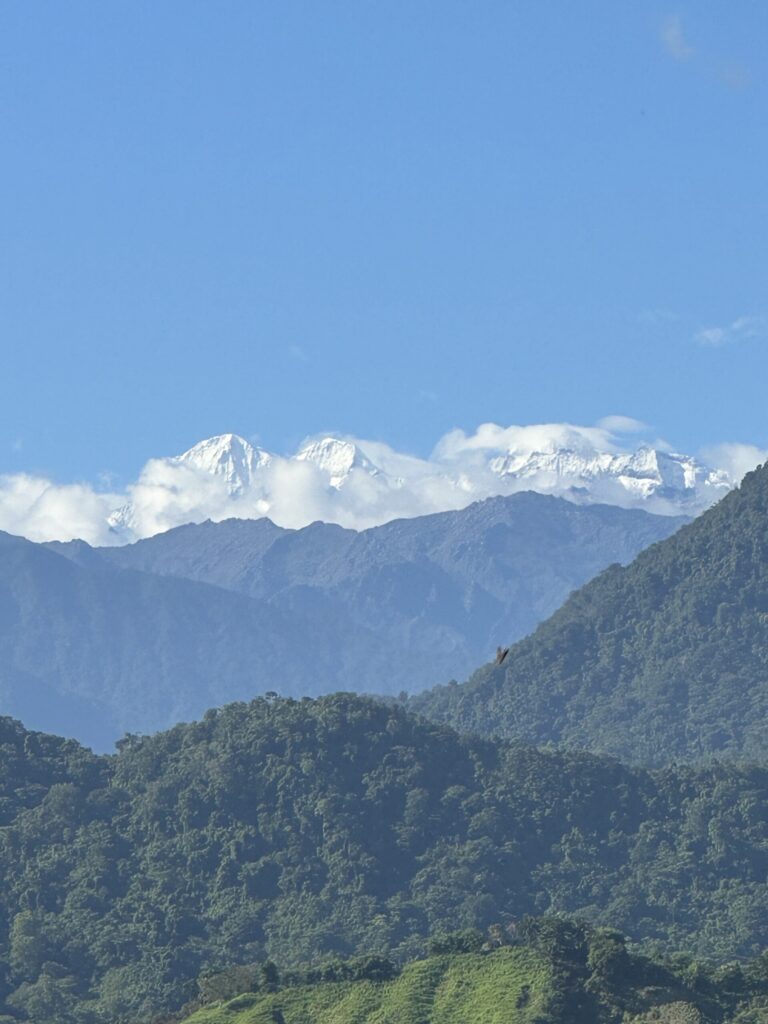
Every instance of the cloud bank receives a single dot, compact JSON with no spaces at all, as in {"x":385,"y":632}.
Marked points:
{"x":359,"y":483}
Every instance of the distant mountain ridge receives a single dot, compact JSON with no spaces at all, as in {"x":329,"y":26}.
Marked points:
{"x":95,"y":651}
{"x":666,"y":658}
{"x":103,"y":641}
{"x":433,"y":594}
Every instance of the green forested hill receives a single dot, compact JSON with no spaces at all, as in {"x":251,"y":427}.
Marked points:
{"x":666,"y":658}
{"x":31,"y":763}
{"x":315,"y":829}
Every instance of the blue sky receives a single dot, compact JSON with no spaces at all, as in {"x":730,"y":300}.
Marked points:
{"x":387,"y":219}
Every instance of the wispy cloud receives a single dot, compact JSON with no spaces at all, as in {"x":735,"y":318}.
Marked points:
{"x":741,"y":329}
{"x":735,"y":76}
{"x":674,"y":41}
{"x":673,"y":38}
{"x":622,"y":425}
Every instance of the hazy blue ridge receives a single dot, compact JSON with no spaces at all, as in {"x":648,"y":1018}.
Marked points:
{"x":94,"y":651}
{"x":136,"y":638}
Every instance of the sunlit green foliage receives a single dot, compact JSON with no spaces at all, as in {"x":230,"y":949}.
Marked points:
{"x":562,"y":973}
{"x":317,"y":830}
{"x":511,"y":986}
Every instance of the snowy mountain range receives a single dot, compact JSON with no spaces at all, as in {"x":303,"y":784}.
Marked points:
{"x":336,"y":479}
{"x":646,"y":477}
{"x":359,"y":484}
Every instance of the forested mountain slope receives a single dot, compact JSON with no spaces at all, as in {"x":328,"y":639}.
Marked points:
{"x":306,"y":830}
{"x":666,"y":658}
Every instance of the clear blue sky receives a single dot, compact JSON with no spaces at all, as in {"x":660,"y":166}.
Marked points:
{"x":387,"y":219}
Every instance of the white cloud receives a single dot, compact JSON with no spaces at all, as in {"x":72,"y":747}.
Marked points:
{"x":733,"y":74}
{"x":622,"y":425}
{"x":168,"y":493}
{"x":673,"y":38}
{"x":741,"y":329}
{"x":525,"y":440}
{"x":735,"y":459}
{"x":40,"y":510}
{"x":713,"y":336}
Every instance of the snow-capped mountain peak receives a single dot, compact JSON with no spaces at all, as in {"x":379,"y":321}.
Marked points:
{"x":337,"y":458}
{"x":229,"y":456}
{"x":649,"y":477}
